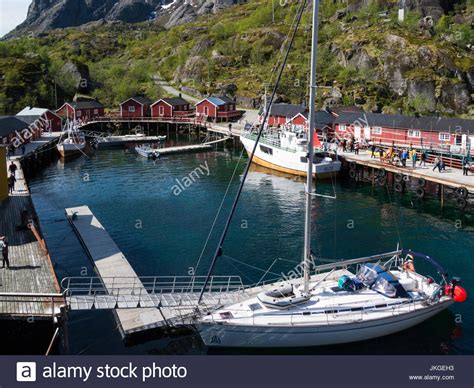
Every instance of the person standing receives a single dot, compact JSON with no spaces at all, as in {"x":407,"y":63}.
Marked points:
{"x":4,"y":248}
{"x":12,"y":168}
{"x":344,"y":145}
{"x":466,"y":167}
{"x":424,"y":158}
{"x":11,"y":183}
{"x":356,"y":148}
{"x":373,"y":148}
{"x":414,"y":158}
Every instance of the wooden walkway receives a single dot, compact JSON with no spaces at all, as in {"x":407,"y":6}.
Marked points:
{"x":191,"y":148}
{"x":113,"y":267}
{"x":452,"y":177}
{"x":31,"y":272}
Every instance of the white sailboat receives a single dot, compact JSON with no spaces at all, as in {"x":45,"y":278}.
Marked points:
{"x":73,"y":141}
{"x":341,"y":302}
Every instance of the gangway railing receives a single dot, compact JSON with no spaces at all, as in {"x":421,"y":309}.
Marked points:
{"x":149,"y":291}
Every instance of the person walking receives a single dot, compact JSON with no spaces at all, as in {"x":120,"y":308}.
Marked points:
{"x":12,"y":168}
{"x":466,"y":167}
{"x":356,"y":148}
{"x":11,"y":184}
{"x":404,"y":158}
{"x":344,"y":145}
{"x":4,"y":248}
{"x":442,"y":166}
{"x":436,"y":164}
{"x":373,"y":148}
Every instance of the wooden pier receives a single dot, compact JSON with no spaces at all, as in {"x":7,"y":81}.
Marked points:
{"x":114,"y":269}
{"x":29,"y":290}
{"x":450,"y":183}
{"x":191,"y":148}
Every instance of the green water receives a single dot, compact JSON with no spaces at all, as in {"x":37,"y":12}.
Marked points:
{"x":163,"y":234}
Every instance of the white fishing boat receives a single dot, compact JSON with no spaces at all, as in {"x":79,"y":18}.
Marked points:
{"x":72,"y":142}
{"x":147,"y":152}
{"x":335,"y":303}
{"x":286,"y":150}
{"x":162,"y":138}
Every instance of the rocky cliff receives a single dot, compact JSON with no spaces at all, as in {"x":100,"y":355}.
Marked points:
{"x":45,"y":15}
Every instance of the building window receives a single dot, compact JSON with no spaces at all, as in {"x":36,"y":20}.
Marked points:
{"x":96,"y":111}
{"x":206,"y":111}
{"x":131,"y":109}
{"x":459,"y":140}
{"x":377,"y":130}
{"x":266,"y":150}
{"x":413,"y":133}
{"x":342,"y":127}
{"x":444,"y":136}
{"x":78,"y":113}
{"x":161,"y":110}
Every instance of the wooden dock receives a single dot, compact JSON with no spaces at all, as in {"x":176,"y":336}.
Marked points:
{"x":112,"y":266}
{"x":452,"y":177}
{"x":191,"y":148}
{"x":29,"y":289}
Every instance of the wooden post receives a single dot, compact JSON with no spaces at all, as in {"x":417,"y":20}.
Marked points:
{"x":3,"y":174}
{"x":441,"y":188}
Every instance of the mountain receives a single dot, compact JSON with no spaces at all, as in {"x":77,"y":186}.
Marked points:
{"x":423,"y":64}
{"x":46,"y":15}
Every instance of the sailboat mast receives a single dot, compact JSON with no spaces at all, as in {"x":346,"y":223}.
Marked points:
{"x":311,"y":118}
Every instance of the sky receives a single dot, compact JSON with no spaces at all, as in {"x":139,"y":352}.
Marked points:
{"x":12,"y":13}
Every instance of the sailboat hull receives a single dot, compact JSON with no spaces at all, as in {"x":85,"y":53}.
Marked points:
{"x":241,"y":336}
{"x":289,"y":162}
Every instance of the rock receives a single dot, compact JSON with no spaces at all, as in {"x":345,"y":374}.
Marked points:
{"x":130,"y":11}
{"x":247,"y":102}
{"x":426,"y":56}
{"x":470,"y":79}
{"x":422,"y":94}
{"x":455,"y":97}
{"x":201,"y":46}
{"x":359,"y":58}
{"x":397,"y":82}
{"x":396,"y":42}
{"x":183,"y":14}
{"x":228,"y":89}
{"x":426,"y":23}
{"x":78,"y":73}
{"x":193,"y":70}
{"x":340,"y":13}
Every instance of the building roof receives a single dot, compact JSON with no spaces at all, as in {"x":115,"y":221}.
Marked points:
{"x":28,"y":119}
{"x":142,"y":100}
{"x":218,"y":100}
{"x":91,"y":104}
{"x":10,"y":124}
{"x":338,"y":110}
{"x":285,"y":110}
{"x":29,"y":111}
{"x":176,"y":101}
{"x":322,"y":117}
{"x":426,"y":123}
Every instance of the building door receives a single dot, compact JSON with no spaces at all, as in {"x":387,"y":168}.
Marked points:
{"x":161,"y":110}
{"x":357,"y":131}
{"x":367,"y":133}
{"x":206,"y":111}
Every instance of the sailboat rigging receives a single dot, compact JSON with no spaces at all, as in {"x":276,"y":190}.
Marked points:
{"x":344,"y":301}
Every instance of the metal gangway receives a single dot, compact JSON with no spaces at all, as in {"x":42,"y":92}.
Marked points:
{"x":175,"y":296}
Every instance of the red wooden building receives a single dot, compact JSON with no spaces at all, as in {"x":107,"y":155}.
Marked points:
{"x":420,"y":132}
{"x":13,"y":131}
{"x":81,"y":110}
{"x":40,"y":120}
{"x":281,"y":114}
{"x":138,"y":106}
{"x":220,"y":108}
{"x":171,"y":107}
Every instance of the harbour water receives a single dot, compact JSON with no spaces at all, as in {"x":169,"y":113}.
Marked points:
{"x":160,"y":213}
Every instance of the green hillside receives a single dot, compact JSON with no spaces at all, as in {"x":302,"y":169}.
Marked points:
{"x":366,"y":57}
